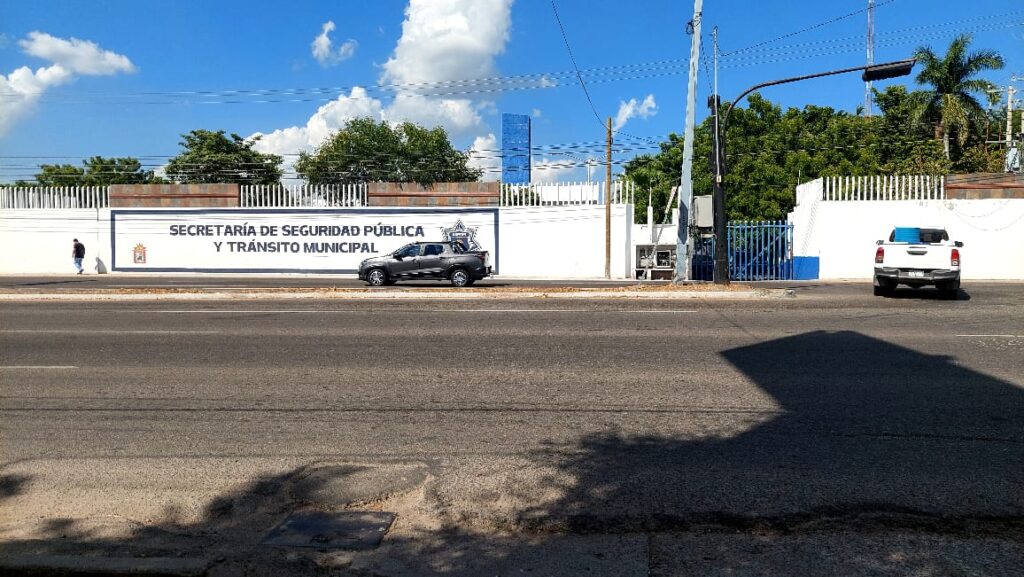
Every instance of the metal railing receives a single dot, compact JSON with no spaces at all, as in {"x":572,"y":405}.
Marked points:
{"x":882,"y":188}
{"x":566,"y":193}
{"x":322,"y":195}
{"x":325,"y":196}
{"x":35,"y":197}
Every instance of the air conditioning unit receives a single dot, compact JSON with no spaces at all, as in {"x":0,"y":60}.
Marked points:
{"x":703,"y":212}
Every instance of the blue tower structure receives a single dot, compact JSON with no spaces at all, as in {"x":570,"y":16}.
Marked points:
{"x":515,"y":148}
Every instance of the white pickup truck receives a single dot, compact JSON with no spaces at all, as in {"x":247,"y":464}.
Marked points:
{"x":917,"y":257}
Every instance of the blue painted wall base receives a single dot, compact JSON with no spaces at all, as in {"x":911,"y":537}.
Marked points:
{"x":805,"y":267}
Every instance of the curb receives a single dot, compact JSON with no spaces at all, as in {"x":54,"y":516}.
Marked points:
{"x":69,"y":565}
{"x":403,"y":295}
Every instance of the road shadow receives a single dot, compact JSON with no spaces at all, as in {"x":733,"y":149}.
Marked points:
{"x":868,"y":437}
{"x":13,"y":485}
{"x":865,"y":427}
{"x":926,"y":294}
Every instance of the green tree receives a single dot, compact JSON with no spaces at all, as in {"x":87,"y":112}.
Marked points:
{"x":104,"y":171}
{"x":950,"y":103}
{"x":213,"y":157}
{"x":60,"y":175}
{"x":905,"y":144}
{"x":369,"y":151}
{"x":95,"y":171}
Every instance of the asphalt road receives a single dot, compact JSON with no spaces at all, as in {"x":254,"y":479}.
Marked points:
{"x":834,"y":408}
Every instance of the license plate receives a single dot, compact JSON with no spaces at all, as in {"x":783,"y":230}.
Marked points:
{"x":915,"y":273}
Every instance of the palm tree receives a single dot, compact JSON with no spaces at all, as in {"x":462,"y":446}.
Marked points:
{"x":950,"y":103}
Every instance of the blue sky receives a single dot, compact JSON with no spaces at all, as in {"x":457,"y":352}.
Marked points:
{"x":141,"y":73}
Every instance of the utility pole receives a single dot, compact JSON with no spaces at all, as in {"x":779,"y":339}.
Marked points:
{"x":682,"y":272}
{"x":1010,"y":90}
{"x":871,"y":55}
{"x":718,"y":193}
{"x":1014,"y":78}
{"x":608,"y":206}
{"x":721,"y":276}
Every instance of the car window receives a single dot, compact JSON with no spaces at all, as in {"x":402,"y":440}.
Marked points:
{"x":433,"y":249}
{"x":408,"y":251}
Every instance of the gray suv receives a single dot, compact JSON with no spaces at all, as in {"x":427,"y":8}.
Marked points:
{"x":427,"y":260}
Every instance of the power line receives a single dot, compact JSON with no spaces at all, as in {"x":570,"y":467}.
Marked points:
{"x":808,"y":29}
{"x":575,"y":67}
{"x":901,"y":32}
{"x":826,"y":50}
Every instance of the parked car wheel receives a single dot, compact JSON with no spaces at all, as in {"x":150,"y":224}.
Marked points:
{"x":376,"y":277}
{"x":460,"y":278}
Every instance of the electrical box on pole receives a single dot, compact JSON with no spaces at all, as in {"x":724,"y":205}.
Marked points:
{"x":703,"y":212}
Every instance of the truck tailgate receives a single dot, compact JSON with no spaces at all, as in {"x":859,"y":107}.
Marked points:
{"x":917,"y":256}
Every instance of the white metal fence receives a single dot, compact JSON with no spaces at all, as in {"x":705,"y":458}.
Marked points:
{"x":565,"y":193}
{"x":324,"y":195}
{"x":54,"y":197}
{"x":334,"y":195}
{"x":893,"y":187}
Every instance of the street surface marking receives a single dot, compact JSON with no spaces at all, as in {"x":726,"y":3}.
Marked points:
{"x":995,"y":336}
{"x":237,"y":287}
{"x":107,"y":332}
{"x":251,"y":311}
{"x":39,"y":367}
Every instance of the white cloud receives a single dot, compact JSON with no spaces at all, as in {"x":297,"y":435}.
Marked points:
{"x":77,"y":56}
{"x":446,"y":40}
{"x":535,"y":113}
{"x":20,"y":90}
{"x":486,"y":154}
{"x":328,"y":119}
{"x":324,"y":51}
{"x":559,"y":169}
{"x":457,"y":116}
{"x":442,"y":41}
{"x":632,"y":109}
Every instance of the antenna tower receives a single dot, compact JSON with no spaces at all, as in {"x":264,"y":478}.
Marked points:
{"x":871,"y":55}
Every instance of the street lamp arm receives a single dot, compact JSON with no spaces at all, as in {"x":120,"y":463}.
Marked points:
{"x":884,"y":65}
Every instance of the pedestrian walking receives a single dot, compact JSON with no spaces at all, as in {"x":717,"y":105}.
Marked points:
{"x":78,"y":254}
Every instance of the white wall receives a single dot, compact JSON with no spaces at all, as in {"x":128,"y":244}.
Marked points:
{"x":555,"y":242}
{"x":564,"y":241}
{"x":843,"y":233}
{"x":39,"y":240}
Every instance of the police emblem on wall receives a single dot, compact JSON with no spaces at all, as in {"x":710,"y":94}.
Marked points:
{"x":461,"y":234}
{"x":139,"y":254}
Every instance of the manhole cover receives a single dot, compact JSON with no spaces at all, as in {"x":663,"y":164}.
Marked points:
{"x":348,"y":530}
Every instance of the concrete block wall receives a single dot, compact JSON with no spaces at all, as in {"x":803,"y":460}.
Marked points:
{"x":439,"y":194}
{"x":174,"y":195}
{"x":980,"y":186}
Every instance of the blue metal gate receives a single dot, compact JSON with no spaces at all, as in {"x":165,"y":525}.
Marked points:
{"x":757,"y":251}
